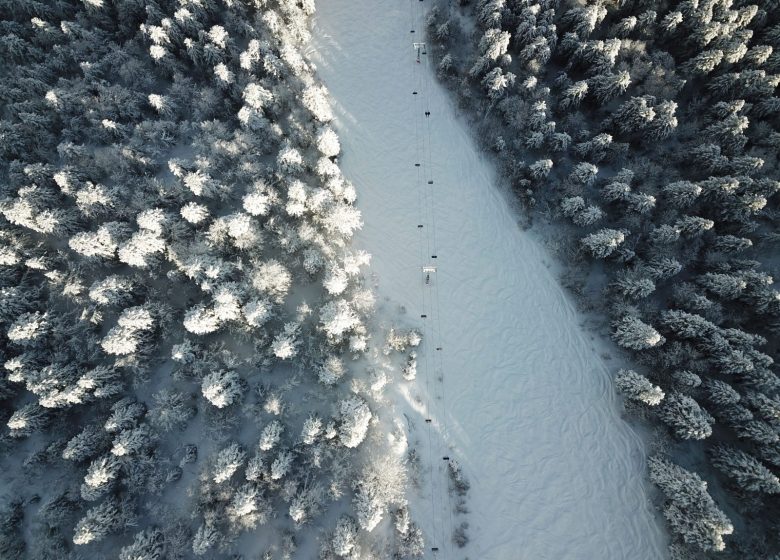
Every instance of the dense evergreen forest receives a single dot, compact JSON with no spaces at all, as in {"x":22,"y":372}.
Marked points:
{"x":649,"y":132}
{"x":179,"y":301}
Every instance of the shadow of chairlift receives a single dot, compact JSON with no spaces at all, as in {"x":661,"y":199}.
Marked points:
{"x":427,"y":271}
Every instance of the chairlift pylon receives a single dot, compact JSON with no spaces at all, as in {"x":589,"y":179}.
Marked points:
{"x":420,"y":49}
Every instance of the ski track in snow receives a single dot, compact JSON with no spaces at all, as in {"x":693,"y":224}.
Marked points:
{"x":526,"y":406}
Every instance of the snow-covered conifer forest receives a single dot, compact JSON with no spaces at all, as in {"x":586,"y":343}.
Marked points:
{"x":197,"y":361}
{"x":180,"y":301}
{"x":643,"y":138}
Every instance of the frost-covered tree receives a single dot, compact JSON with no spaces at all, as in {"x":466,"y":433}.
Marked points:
{"x":638,"y":388}
{"x":337,"y":318}
{"x":720,"y":393}
{"x":206,"y":538}
{"x":328,"y":142}
{"x":583,"y":174}
{"x":101,"y":475}
{"x":257,"y":312}
{"x":312,"y":428}
{"x":222,"y":388}
{"x":315,"y":99}
{"x":126,"y":414}
{"x":608,"y":86}
{"x":744,"y":469}
{"x":758,"y":431}
{"x":88,"y":443}
{"x":201,"y":320}
{"x":195,"y":213}
{"x":603,"y":243}
{"x":114,"y":290}
{"x":693,"y":226}
{"x":687,"y":325}
{"x":631,"y":332}
{"x":132,"y":331}
{"x":281,"y":464}
{"x":686,"y":418}
{"x":723,"y":285}
{"x":494,"y":44}
{"x":285,"y":344}
{"x":171,"y":410}
{"x":148,"y":544}
{"x":580,"y":213}
{"x":540,"y":169}
{"x":344,"y":537}
{"x":496,"y":83}
{"x":690,"y":510}
{"x":331,"y":370}
{"x":342,"y":219}
{"x":29,"y":329}
{"x":573,"y":95}
{"x":102,"y":243}
{"x":354,"y":419}
{"x":100,"y":521}
{"x":409,"y":371}
{"x":272,"y":279}
{"x":247,"y":508}
{"x":27,"y":420}
{"x":685,"y":380}
{"x":227,"y":462}
{"x":380,"y":483}
{"x":634,"y":284}
{"x":133,"y":441}
{"x":141,"y":249}
{"x":256,"y":469}
{"x":306,"y":503}
{"x":271,"y":435}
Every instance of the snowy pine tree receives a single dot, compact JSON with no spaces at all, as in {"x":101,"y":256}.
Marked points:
{"x":638,"y":388}
{"x":631,"y":332}
{"x":354,"y":419}
{"x":744,"y":469}
{"x":222,"y":388}
{"x":148,"y":544}
{"x":690,"y":510}
{"x":686,"y":418}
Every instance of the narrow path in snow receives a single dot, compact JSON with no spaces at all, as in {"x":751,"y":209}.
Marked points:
{"x":526,"y":404}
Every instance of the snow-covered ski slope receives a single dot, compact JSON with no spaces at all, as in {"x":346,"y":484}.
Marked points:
{"x":526,"y":403}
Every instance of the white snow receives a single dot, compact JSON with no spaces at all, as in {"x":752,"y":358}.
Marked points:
{"x":527,"y":405}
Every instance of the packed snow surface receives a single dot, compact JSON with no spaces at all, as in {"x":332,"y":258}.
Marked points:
{"x":525,"y":401}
